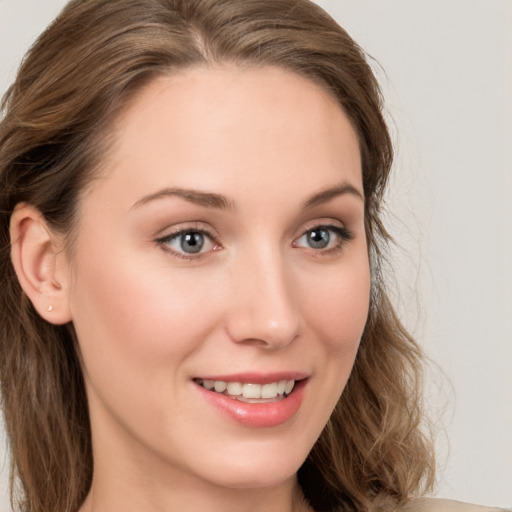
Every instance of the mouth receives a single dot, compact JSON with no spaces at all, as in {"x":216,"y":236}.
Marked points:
{"x":255,"y":400}
{"x":250,"y":392}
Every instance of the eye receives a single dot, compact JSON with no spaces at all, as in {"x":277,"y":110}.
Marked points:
{"x":189,"y":242}
{"x":324,"y":238}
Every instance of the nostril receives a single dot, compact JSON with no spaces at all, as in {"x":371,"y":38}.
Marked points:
{"x":263,"y":310}
{"x":262,"y":327}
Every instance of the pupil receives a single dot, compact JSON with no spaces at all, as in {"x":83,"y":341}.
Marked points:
{"x":318,"y":238}
{"x":192,"y":242}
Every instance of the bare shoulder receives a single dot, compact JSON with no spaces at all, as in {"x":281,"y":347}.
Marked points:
{"x":441,"y":505}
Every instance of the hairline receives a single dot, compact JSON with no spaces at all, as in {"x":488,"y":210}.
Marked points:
{"x":106,"y":136}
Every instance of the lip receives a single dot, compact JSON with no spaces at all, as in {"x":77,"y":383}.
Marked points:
{"x":256,"y":377}
{"x":257,"y":415}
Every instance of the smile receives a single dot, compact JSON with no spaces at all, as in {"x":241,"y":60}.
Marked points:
{"x":255,"y":400}
{"x":249,"y":392}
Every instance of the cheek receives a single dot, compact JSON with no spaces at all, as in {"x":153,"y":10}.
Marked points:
{"x":338,"y":309}
{"x":137,"y":314}
{"x":337,"y":312}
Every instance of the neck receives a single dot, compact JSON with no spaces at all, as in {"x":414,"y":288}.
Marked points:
{"x":132,"y":498}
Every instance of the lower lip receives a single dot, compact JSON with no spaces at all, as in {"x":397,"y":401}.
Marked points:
{"x":258,"y":415}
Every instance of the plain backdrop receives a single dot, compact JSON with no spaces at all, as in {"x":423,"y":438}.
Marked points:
{"x":445,"y":67}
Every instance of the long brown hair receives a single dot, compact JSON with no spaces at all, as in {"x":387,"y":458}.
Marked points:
{"x":72,"y":84}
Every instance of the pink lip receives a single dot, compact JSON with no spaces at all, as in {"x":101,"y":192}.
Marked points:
{"x":257,"y":378}
{"x":256,"y":415}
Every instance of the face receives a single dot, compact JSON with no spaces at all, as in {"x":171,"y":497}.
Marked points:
{"x":220,"y":277}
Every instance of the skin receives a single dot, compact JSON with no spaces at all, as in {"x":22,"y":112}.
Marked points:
{"x":259,"y":297}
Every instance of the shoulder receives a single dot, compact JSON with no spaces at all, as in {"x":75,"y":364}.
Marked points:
{"x":441,"y":505}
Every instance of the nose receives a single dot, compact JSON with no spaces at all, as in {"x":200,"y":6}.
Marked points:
{"x":263,"y":307}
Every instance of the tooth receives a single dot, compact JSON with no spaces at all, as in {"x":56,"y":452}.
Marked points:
{"x":269,"y":390}
{"x":249,"y":390}
{"x":220,"y":386}
{"x":252,"y":390}
{"x":289,"y":386}
{"x":234,"y":388}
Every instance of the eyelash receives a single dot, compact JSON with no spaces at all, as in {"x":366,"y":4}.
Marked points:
{"x":342,"y":233}
{"x":165,"y":241}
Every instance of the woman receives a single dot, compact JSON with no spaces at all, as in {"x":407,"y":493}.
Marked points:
{"x":194,"y":316}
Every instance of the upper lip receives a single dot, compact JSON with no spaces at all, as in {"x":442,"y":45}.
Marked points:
{"x":257,"y":377}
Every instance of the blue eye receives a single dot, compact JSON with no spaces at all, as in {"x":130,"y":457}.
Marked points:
{"x":189,"y":242}
{"x":318,"y":238}
{"x":324,"y":238}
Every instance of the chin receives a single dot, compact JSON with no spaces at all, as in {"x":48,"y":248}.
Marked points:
{"x":255,"y":480}
{"x":246,"y":472}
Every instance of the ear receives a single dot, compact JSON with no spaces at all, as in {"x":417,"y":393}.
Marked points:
{"x":40,"y":263}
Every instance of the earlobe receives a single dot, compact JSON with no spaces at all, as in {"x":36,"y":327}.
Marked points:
{"x":38,"y":261}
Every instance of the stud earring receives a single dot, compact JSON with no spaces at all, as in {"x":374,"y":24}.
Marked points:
{"x":50,"y":308}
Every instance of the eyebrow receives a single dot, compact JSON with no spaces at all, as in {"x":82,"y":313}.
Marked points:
{"x":205,"y":199}
{"x":218,"y":201}
{"x":330,"y":193}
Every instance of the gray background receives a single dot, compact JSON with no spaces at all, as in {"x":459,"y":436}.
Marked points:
{"x":448,"y":83}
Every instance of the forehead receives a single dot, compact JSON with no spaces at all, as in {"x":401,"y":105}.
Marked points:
{"x":212,"y":127}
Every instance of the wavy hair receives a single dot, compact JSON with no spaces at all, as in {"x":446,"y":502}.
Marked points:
{"x":72,"y":85}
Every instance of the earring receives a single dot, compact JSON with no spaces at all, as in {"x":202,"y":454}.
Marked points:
{"x":50,"y":308}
